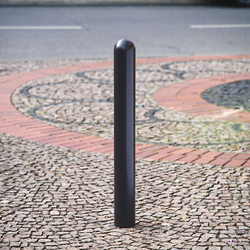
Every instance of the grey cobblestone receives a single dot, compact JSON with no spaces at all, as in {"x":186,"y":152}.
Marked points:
{"x":55,"y":198}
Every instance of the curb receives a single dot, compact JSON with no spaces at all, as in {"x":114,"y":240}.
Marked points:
{"x":15,"y":124}
{"x":97,"y":2}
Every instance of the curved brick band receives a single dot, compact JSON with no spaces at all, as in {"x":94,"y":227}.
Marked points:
{"x":186,"y":97}
{"x":18,"y":125}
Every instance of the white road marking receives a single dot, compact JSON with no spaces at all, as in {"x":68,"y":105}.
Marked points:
{"x":219,"y":26}
{"x":40,"y":27}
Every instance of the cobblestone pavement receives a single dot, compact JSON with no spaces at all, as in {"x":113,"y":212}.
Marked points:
{"x":55,"y":198}
{"x":83,"y":103}
{"x":59,"y":198}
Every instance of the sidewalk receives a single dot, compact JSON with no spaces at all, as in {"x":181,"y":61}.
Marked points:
{"x":56,"y":156}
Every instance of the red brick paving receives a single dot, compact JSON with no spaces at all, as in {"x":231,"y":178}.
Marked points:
{"x":183,"y":97}
{"x":189,"y":158}
{"x":211,"y":154}
{"x":197,"y":152}
{"x":234,"y":162}
{"x":247,"y":164}
{"x":183,"y":151}
{"x":157,"y":156}
{"x":173,"y":157}
{"x":227,"y":156}
{"x":219,"y":162}
{"x":242,"y":157}
{"x":203,"y":160}
{"x":145,"y":154}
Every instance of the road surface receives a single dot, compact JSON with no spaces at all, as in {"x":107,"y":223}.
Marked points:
{"x":51,"y":33}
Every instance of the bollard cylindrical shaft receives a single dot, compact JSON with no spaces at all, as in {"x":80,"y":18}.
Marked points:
{"x":124,"y":133}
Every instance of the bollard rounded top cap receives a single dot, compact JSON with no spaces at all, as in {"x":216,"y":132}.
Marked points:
{"x":124,"y":44}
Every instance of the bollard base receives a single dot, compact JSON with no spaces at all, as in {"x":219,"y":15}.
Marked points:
{"x":125,"y":224}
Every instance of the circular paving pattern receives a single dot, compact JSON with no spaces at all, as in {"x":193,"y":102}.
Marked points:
{"x":61,"y":198}
{"x":235,"y":95}
{"x":83,"y":103}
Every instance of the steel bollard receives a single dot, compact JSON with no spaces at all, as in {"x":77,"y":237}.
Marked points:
{"x":124,"y":133}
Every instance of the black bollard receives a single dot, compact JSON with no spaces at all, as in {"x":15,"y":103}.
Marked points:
{"x":124,"y":133}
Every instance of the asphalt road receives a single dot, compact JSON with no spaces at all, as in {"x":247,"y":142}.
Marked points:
{"x":49,"y":33}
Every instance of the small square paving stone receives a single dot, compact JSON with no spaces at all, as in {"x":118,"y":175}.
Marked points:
{"x":15,"y":244}
{"x":199,"y":248}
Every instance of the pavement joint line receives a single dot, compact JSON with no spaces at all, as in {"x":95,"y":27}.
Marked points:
{"x":25,"y":127}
